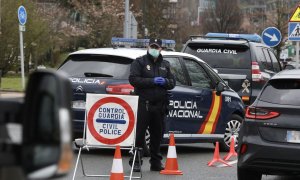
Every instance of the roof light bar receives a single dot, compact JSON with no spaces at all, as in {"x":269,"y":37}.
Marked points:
{"x":249,"y":37}
{"x":139,"y":43}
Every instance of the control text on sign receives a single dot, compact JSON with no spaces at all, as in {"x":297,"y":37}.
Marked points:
{"x":110,"y":118}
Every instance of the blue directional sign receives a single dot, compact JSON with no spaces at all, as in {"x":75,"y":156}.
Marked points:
{"x":22,"y":15}
{"x":271,"y":36}
{"x":294,"y":31}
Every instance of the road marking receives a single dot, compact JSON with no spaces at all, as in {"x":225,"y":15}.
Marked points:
{"x":230,"y":162}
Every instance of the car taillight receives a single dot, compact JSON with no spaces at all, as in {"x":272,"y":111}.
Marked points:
{"x":260,"y":114}
{"x":256,"y":74}
{"x":243,"y":148}
{"x":124,"y":89}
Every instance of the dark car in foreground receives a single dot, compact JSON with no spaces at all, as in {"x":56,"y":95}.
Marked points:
{"x":202,"y":108}
{"x":270,"y":135}
{"x":35,"y":130}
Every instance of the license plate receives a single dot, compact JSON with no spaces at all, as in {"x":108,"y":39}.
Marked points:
{"x":293,"y":136}
{"x":78,"y":105}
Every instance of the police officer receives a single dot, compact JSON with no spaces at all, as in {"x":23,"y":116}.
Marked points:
{"x":151,"y":77}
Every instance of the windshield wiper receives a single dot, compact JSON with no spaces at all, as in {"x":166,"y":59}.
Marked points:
{"x":91,"y":74}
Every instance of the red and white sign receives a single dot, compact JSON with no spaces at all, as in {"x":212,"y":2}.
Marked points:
{"x":111,"y":119}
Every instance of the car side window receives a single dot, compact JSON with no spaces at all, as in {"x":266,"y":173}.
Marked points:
{"x":268,"y":58}
{"x":213,"y":74}
{"x":177,"y":70}
{"x":276,"y":65}
{"x":261,"y":57}
{"x":198,"y":76}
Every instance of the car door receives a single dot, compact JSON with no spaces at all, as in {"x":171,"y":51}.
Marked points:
{"x":189,"y":100}
{"x":182,"y":108}
{"x":208,"y":102}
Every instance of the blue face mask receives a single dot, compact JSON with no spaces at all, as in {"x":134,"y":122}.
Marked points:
{"x":154,"y":52}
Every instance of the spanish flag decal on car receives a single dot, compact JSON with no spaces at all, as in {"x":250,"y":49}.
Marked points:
{"x":210,"y":123}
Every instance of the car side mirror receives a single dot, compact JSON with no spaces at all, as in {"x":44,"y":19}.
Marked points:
{"x":220,"y":87}
{"x":46,"y":149}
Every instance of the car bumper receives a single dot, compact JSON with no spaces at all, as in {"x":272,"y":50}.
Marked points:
{"x":270,"y":157}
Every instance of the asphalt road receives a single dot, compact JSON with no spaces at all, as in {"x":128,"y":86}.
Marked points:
{"x":192,"y":160}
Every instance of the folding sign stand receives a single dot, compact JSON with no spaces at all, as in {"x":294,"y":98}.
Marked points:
{"x":83,"y":144}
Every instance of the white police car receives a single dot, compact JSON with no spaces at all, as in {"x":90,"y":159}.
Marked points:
{"x":202,"y":107}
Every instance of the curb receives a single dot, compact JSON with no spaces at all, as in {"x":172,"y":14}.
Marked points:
{"x":11,"y":90}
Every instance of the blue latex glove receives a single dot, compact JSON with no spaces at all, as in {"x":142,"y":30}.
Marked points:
{"x":159,"y":81}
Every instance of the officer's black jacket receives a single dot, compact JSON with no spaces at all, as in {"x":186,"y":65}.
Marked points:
{"x":142,"y":73}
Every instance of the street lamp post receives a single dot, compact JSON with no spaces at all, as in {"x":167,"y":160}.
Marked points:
{"x":0,"y":17}
{"x":126,"y":24}
{"x":22,"y":16}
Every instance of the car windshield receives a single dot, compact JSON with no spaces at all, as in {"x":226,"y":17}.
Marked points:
{"x":97,"y":66}
{"x":222,"y":56}
{"x":282,"y":91}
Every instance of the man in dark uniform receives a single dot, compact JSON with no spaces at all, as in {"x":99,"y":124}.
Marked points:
{"x":151,"y":77}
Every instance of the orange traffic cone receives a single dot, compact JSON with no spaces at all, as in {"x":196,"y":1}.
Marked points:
{"x":216,"y":157}
{"x":171,"y":167}
{"x":232,"y":151}
{"x":117,"y":166}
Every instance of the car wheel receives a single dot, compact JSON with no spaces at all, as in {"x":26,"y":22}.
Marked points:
{"x":147,"y":144}
{"x":232,"y":130}
{"x":246,"y":174}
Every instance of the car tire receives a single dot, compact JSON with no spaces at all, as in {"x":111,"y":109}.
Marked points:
{"x":232,"y":129}
{"x":146,"y":148}
{"x":246,"y":174}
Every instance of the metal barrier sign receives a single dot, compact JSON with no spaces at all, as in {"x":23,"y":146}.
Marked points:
{"x":111,"y":119}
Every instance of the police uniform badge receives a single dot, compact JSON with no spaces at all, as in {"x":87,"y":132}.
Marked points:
{"x":148,"y":67}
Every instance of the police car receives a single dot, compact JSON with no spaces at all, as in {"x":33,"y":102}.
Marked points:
{"x":241,"y":60}
{"x":202,"y":108}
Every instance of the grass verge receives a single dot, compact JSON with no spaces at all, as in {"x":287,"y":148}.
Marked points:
{"x":11,"y":83}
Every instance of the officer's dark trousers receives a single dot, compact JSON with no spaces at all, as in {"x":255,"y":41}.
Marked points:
{"x":152,"y":115}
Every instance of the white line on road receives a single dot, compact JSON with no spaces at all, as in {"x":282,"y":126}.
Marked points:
{"x":230,"y":162}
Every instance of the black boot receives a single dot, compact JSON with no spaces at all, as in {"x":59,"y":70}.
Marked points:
{"x":137,"y":167}
{"x":156,"y":167}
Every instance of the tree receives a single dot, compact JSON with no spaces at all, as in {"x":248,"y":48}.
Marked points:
{"x":153,"y":18}
{"x":97,"y":20}
{"x":36,"y":36}
{"x":278,"y":18}
{"x":224,"y":16}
